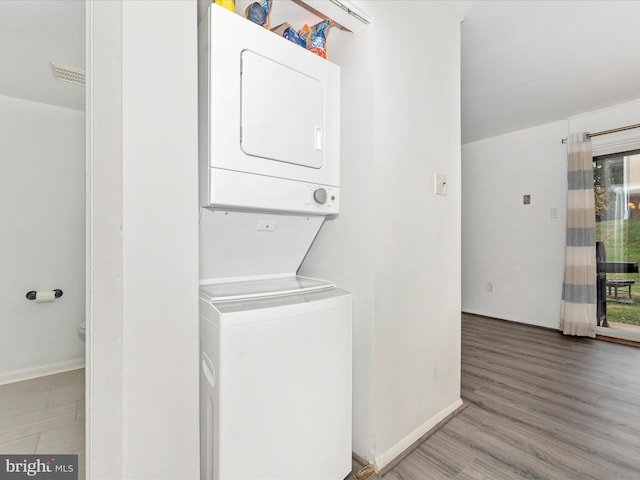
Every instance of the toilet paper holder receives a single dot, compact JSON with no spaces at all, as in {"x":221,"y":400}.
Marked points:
{"x":31,"y":295}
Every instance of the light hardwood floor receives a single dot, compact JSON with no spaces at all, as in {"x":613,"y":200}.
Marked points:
{"x":539,"y":405}
{"x":44,"y":415}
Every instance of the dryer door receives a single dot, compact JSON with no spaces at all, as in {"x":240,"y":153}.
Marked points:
{"x":273,"y":109}
{"x":282,"y":114}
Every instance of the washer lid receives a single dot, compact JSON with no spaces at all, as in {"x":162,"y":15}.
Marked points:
{"x":221,"y":292}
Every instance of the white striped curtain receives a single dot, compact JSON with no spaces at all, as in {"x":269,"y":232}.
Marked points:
{"x":578,"y":314}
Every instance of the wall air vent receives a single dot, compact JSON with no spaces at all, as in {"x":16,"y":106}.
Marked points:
{"x":68,"y":74}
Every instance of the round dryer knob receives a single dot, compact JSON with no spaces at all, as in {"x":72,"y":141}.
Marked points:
{"x":320,"y":195}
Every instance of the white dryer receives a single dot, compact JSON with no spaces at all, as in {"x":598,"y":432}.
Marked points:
{"x":269,"y":120}
{"x":275,"y":386}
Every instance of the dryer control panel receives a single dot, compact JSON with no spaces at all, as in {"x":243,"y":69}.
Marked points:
{"x":259,"y":192}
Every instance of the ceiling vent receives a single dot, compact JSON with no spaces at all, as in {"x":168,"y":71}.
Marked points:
{"x":68,"y":74}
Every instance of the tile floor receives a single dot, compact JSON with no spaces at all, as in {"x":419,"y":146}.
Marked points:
{"x":44,"y":415}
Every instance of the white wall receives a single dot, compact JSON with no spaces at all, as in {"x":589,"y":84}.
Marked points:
{"x":344,"y":248}
{"x":396,"y":245}
{"x":160,"y":239}
{"x":517,"y":248}
{"x":606,"y":119}
{"x":147,"y":426}
{"x":103,"y":385}
{"x":417,"y":294}
{"x":42,"y":212}
{"x":520,"y":248}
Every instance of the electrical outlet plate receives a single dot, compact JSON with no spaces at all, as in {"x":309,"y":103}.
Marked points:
{"x":266,"y":226}
{"x":440,"y":187}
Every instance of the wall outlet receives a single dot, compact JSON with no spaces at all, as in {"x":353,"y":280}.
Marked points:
{"x":489,"y":287}
{"x":555,"y":212}
{"x":526,"y":199}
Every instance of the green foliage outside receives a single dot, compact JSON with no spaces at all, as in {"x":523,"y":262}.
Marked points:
{"x":622,"y":244}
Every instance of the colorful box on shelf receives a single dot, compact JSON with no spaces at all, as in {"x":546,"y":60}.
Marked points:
{"x":287,"y":31}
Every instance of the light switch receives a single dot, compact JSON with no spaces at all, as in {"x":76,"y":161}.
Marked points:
{"x":440,"y":187}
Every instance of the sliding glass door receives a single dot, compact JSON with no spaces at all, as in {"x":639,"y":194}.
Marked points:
{"x":617,"y":207}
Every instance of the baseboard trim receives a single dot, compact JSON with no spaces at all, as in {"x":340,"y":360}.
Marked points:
{"x":389,"y":459}
{"x":40,"y":371}
{"x":507,"y":318}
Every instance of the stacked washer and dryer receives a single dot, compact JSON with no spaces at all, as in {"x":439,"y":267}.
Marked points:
{"x":275,"y":369}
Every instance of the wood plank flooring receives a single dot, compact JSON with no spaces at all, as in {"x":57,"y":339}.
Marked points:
{"x":44,"y":415}
{"x":539,"y":405}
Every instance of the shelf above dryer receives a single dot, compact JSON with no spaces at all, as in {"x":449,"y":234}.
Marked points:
{"x":345,"y":16}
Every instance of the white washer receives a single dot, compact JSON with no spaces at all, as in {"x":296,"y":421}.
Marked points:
{"x":275,"y":380}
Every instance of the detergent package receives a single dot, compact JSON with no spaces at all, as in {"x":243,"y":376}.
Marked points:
{"x":258,"y":12}
{"x":287,"y":31}
{"x":228,"y":4}
{"x":316,"y":37}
